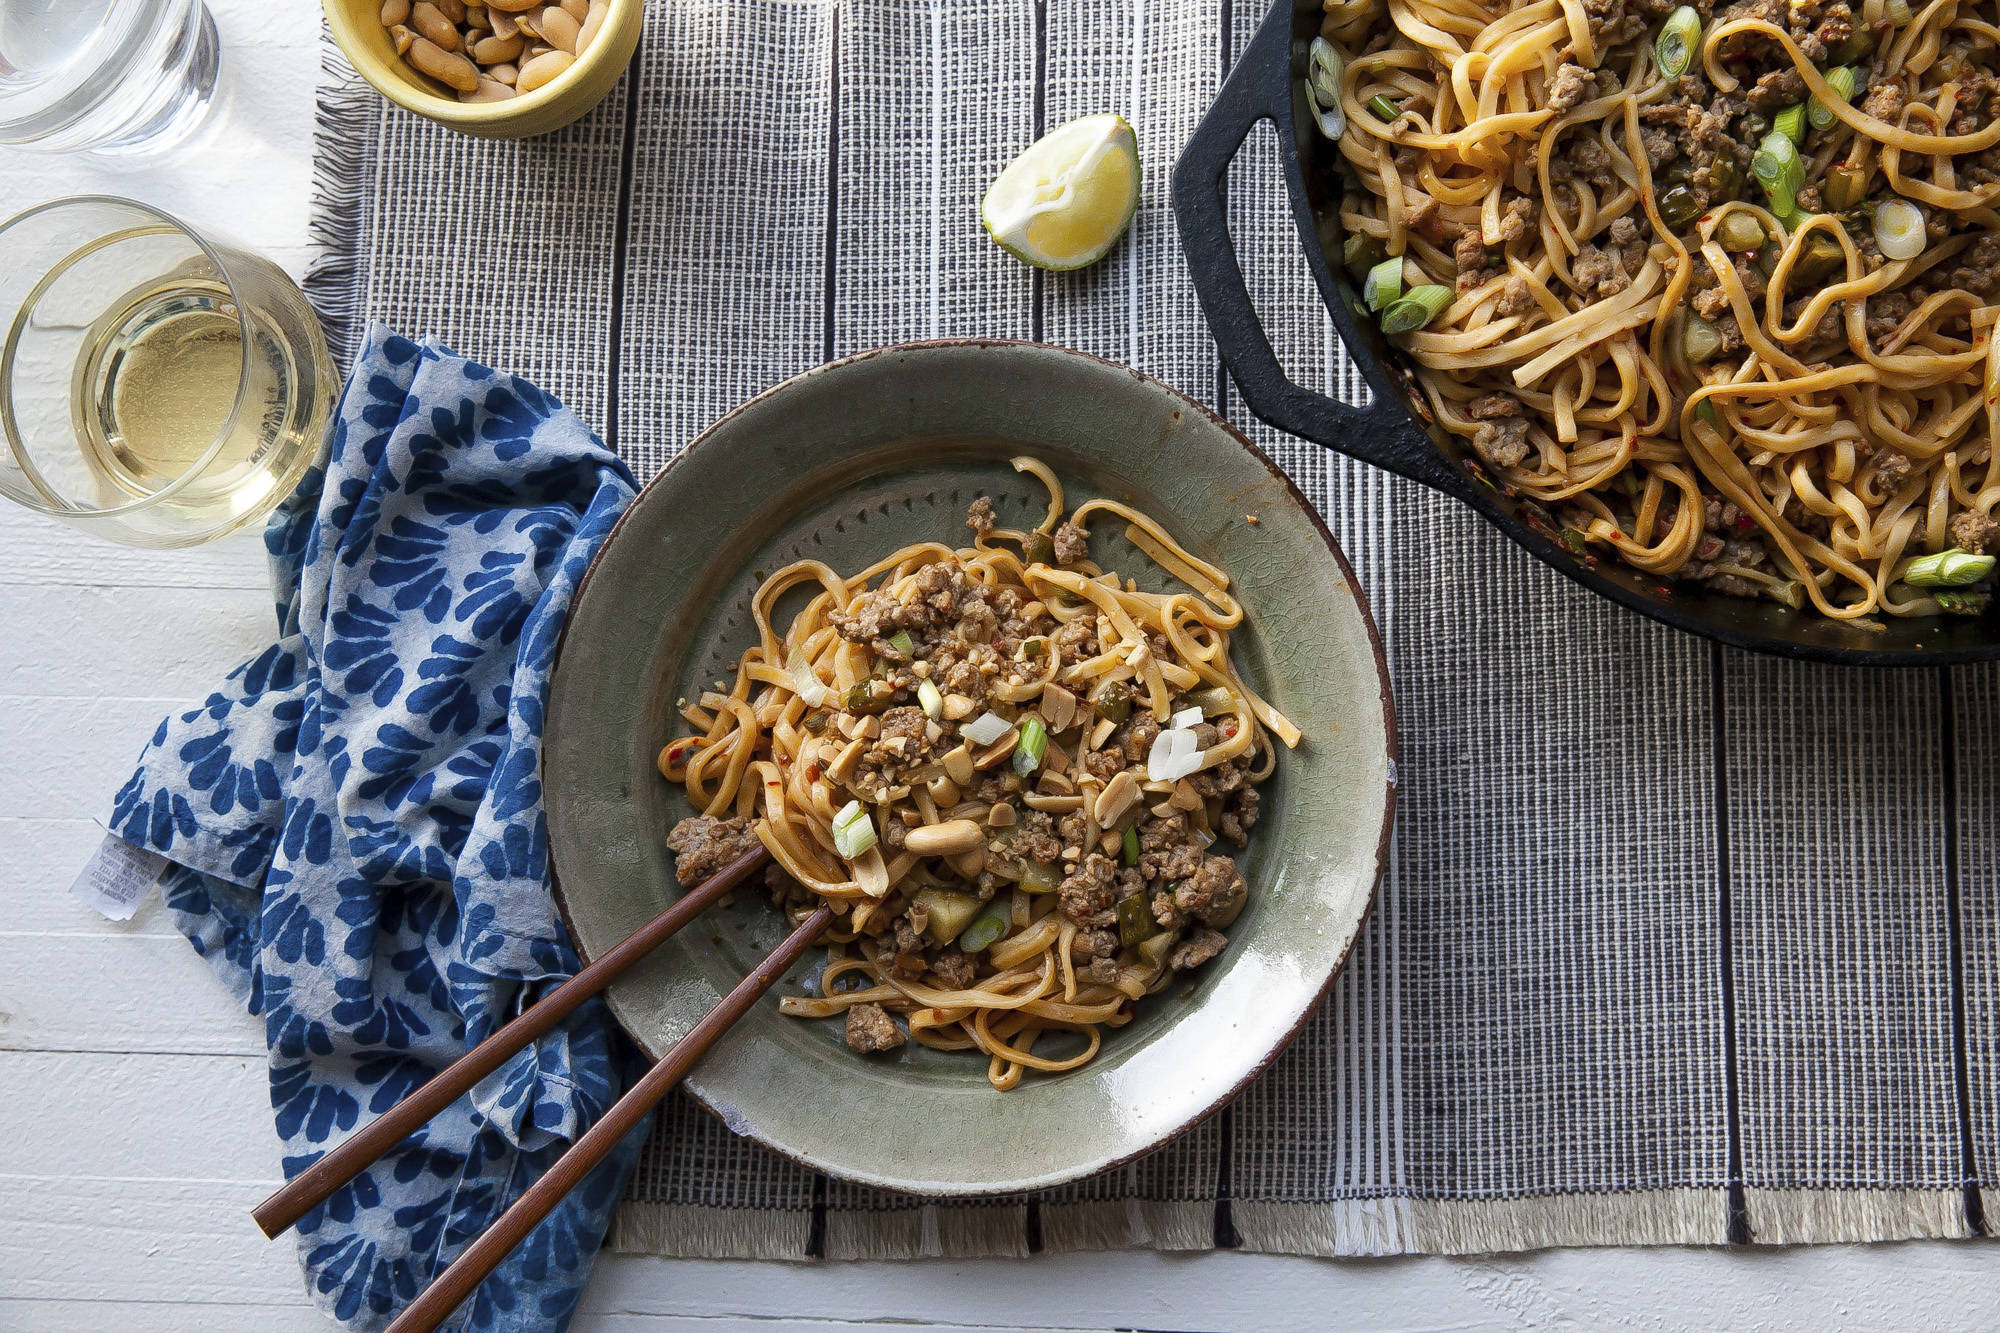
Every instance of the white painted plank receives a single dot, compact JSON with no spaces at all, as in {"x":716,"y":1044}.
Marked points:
{"x":67,"y":641}
{"x":67,"y":756}
{"x":132,"y":1117}
{"x":41,"y":858}
{"x":39,"y":552}
{"x":160,"y":1316}
{"x":117,"y":993}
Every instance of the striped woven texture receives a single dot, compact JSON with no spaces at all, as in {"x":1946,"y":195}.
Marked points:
{"x":1678,"y":945}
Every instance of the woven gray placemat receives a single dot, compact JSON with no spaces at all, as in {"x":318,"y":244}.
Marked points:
{"x":1678,"y":945}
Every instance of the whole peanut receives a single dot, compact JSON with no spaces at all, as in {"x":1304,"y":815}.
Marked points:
{"x":543,"y":68}
{"x":394,"y":12}
{"x":445,"y":66}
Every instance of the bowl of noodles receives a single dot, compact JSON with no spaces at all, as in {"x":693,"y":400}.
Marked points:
{"x":1694,"y":302}
{"x":983,"y":660}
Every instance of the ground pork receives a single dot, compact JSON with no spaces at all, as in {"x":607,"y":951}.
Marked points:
{"x":1974,"y":531}
{"x":1196,"y":949}
{"x":1071,"y":544}
{"x":703,"y":845}
{"x":870,"y":1029}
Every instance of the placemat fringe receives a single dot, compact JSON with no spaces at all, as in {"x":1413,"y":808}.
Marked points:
{"x":335,"y":281}
{"x":1837,"y":1216}
{"x":684,"y":1231}
{"x":1344,"y":1227}
{"x":1128,"y":1224}
{"x":1355,"y":1227}
{"x":927,"y":1231}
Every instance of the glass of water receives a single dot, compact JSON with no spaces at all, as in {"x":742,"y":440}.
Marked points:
{"x":159,"y":386}
{"x":113,"y":76}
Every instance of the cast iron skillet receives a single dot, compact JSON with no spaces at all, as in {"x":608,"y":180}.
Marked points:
{"x":1267,"y":84}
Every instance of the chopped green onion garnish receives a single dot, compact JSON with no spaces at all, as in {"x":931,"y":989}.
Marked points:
{"x":1039,"y":549}
{"x":1034,"y":647}
{"x":1791,"y":122}
{"x":1029,"y":749}
{"x":1132,"y":845}
{"x":988,"y":926}
{"x":1700,"y":340}
{"x":1360,"y":252}
{"x":816,"y":721}
{"x":903,"y":643}
{"x":1384,"y":108}
{"x":853,"y":830}
{"x":1212,"y":700}
{"x":1779,"y":169}
{"x":1323,"y":70}
{"x":1844,"y":187}
{"x":1414,"y":311}
{"x":1679,"y":206}
{"x":1899,"y":229}
{"x":1678,"y":40}
{"x":986,"y":728}
{"x":805,"y":684}
{"x":1948,"y":569}
{"x":1962,"y":603}
{"x":1705,"y":409}
{"x":1383,"y":284}
{"x":930,"y":700}
{"x":1845,"y":80}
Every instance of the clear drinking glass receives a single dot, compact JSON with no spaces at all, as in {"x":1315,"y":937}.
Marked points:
{"x":114,"y":76}
{"x":158,"y":386}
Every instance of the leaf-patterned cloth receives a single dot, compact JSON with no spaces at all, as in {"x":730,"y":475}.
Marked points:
{"x":356,"y":822}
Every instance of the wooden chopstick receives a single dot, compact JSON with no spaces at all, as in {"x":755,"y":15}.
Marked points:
{"x":435,"y":1304}
{"x":311,"y":1186}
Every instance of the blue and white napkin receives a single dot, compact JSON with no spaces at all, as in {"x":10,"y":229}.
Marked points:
{"x":355,"y":821}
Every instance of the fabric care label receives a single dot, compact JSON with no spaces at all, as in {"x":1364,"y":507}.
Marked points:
{"x":118,"y":878}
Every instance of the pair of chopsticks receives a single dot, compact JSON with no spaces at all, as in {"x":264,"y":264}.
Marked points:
{"x":434,"y":1305}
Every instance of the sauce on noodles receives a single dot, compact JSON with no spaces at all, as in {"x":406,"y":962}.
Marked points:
{"x":1005,"y":769}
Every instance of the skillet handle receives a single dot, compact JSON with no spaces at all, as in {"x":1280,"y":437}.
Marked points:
{"x":1259,"y":88}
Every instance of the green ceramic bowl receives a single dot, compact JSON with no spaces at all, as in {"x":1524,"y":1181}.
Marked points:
{"x":843,"y":464}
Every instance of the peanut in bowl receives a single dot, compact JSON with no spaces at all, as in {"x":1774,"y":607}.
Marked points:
{"x":504,"y":69}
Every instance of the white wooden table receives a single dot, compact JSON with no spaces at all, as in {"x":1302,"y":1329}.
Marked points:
{"x":134,"y":1120}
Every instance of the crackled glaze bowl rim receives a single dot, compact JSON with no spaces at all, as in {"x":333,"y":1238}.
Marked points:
{"x":1120,"y":457}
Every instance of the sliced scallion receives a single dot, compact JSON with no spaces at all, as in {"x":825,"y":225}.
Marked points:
{"x":1779,"y":169}
{"x":1844,"y":187}
{"x":853,"y":830}
{"x":1029,"y":749}
{"x":1679,"y":39}
{"x":1740,"y":231}
{"x":903,"y":643}
{"x":1948,"y":569}
{"x":808,"y":686}
{"x":986,"y":729}
{"x":1360,"y":252}
{"x":1791,"y":122}
{"x":988,"y":926}
{"x":1384,"y":107}
{"x":1131,"y":845}
{"x":1417,"y":309}
{"x":1384,"y":283}
{"x":1845,"y":80}
{"x":930,"y":699}
{"x":1899,"y":229}
{"x":1323,"y":78}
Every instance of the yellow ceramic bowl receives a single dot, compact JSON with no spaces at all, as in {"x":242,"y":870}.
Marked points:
{"x":357,"y":26}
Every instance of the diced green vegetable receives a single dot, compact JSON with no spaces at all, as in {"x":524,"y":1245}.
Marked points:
{"x":853,"y":830}
{"x":1844,"y":80}
{"x":1212,"y":700}
{"x":988,"y":926}
{"x":1360,"y":252}
{"x":1725,"y":180}
{"x":1948,"y":569}
{"x":1112,"y":701}
{"x":1679,"y":39}
{"x":1323,"y":71}
{"x":1135,"y":921}
{"x":1040,"y":549}
{"x":1700,"y":340}
{"x":1844,"y":187}
{"x":903,"y":643}
{"x":1705,"y":409}
{"x":1791,"y":122}
{"x":1740,"y":231}
{"x":1154,"y":950}
{"x":1383,"y":106}
{"x":1962,"y":603}
{"x":1414,"y":311}
{"x":1040,"y":877}
{"x":1383,"y":284}
{"x":1679,"y":206}
{"x":1791,"y":592}
{"x":930,"y":700}
{"x":867,"y":696}
{"x":1132,"y":845}
{"x":948,"y":910}
{"x":1029,"y":749}
{"x":816,"y":721}
{"x":1779,"y":169}
{"x":1818,"y":258}
{"x":1034,"y":647}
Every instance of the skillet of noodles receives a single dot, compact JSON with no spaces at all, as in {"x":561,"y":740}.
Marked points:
{"x":1716,"y":284}
{"x":1006,"y":769}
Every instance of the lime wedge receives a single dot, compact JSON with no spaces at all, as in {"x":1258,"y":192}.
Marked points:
{"x":1067,"y":200}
